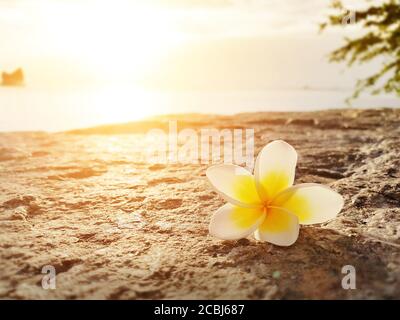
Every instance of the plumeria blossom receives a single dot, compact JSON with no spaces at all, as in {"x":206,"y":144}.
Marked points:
{"x":267,"y":204}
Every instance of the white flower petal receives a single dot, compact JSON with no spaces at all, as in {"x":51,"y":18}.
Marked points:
{"x":235,"y":184}
{"x":275,"y":167}
{"x":280,"y":227}
{"x":311,"y":202}
{"x":232,"y":222}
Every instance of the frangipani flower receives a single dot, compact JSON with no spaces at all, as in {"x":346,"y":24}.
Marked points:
{"x":267,"y":203}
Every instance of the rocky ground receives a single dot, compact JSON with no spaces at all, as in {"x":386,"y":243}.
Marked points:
{"x":117,"y":227}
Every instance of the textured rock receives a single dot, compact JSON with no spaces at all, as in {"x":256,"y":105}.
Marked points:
{"x":117,"y":227}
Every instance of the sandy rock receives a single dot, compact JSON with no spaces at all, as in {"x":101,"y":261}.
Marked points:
{"x":116,"y":227}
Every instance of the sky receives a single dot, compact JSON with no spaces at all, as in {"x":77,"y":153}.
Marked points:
{"x":174,"y":44}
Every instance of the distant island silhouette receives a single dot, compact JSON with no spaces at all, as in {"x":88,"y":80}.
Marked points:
{"x":15,"y":78}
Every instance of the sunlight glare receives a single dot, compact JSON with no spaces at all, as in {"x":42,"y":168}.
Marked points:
{"x":123,"y":104}
{"x":122,"y":39}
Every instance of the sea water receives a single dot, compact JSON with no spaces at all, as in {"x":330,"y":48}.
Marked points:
{"x":42,"y":109}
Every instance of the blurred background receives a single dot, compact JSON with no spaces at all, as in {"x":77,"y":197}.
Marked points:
{"x":86,"y":62}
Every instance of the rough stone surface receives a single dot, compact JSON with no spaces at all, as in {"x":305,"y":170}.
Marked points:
{"x":117,"y":227}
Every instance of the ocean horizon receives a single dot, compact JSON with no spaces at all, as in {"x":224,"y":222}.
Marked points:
{"x":41,"y":109}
